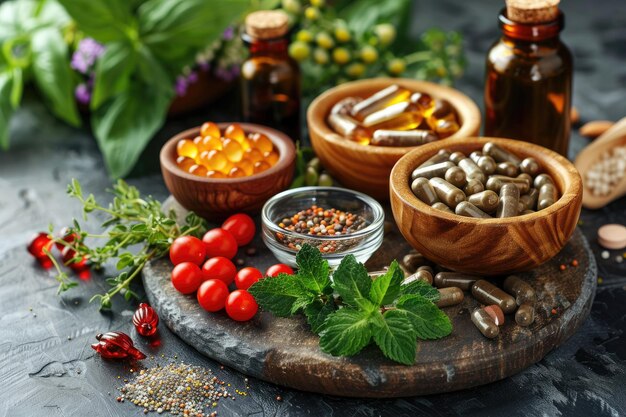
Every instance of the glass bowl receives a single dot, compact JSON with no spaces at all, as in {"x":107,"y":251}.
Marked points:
{"x":284,"y":244}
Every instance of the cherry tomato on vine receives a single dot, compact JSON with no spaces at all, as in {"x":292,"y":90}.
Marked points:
{"x":274,"y":270}
{"x":37,"y":245}
{"x":212,"y":295}
{"x":241,"y":226}
{"x":241,"y":305}
{"x":219,"y":268}
{"x":187,"y":249}
{"x":246,"y":277}
{"x":219,"y":242}
{"x":187,"y":277}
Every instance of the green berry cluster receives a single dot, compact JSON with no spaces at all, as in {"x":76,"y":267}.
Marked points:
{"x":330,"y":52}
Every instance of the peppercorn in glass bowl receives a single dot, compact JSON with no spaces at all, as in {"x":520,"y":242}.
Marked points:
{"x":337,"y":221}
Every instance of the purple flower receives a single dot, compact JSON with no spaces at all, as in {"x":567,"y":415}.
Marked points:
{"x":82,"y":93}
{"x":204,"y":66}
{"x":228,"y":33}
{"x":192,"y":77}
{"x":86,"y":54}
{"x":181,"y":86}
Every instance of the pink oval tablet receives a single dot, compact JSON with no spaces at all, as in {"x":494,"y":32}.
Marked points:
{"x":612,"y":236}
{"x":495,"y":312}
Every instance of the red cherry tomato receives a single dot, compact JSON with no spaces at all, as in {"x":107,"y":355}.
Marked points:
{"x":187,"y":277}
{"x":37,"y":245}
{"x":219,"y":242}
{"x":241,"y":226}
{"x":187,"y":249}
{"x":219,"y":268}
{"x":241,"y":305}
{"x":212,"y":295}
{"x":246,"y":277}
{"x":274,"y":270}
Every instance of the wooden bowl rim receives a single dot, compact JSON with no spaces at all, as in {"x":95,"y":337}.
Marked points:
{"x":399,"y":179}
{"x":464,"y":106}
{"x":285,"y":145}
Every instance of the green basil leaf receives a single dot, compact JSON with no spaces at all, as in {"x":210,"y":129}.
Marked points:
{"x":125,"y":124}
{"x":362,"y":15}
{"x":317,"y":312}
{"x":24,"y":16}
{"x":277,"y":295}
{"x":386,"y":287}
{"x":174,"y":30}
{"x":312,"y":269}
{"x":346,"y":332}
{"x":113,"y":71}
{"x":152,"y":71}
{"x":351,"y":280}
{"x":396,"y":337}
{"x":6,"y":109}
{"x":104,"y":20}
{"x":427,"y":319}
{"x":53,"y":74}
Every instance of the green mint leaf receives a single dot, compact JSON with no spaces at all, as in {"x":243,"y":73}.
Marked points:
{"x":317,"y":312}
{"x":428,"y":321}
{"x":278,"y":295}
{"x":421,"y":288}
{"x":386,"y":287}
{"x":345,"y":332}
{"x":395,"y":337}
{"x":312,"y":269}
{"x":302,"y":301}
{"x":365,"y":305}
{"x":351,"y":280}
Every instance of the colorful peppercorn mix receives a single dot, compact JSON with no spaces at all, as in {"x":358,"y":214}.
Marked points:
{"x":228,"y":154}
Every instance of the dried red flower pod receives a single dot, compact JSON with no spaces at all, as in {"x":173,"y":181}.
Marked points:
{"x":145,"y":320}
{"x":116,"y":345}
{"x":37,"y":245}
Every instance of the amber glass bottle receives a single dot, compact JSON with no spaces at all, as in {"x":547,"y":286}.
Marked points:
{"x":528,"y":86}
{"x":270,"y":77}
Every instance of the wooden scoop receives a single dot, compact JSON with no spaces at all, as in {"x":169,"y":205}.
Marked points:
{"x":614,"y":137}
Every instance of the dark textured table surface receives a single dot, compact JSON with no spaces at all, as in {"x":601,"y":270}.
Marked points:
{"x":48,"y":369}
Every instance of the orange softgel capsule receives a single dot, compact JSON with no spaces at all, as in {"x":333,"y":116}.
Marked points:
{"x":247,"y":166}
{"x":261,"y":142}
{"x":261,"y":166}
{"x":271,"y":157}
{"x":254,"y":155}
{"x":200,"y":145}
{"x":216,"y":160}
{"x":215,"y":174}
{"x":233,"y":150}
{"x":199,"y":170}
{"x":236,"y":172}
{"x":235,"y":132}
{"x":185,"y":163}
{"x":210,"y":129}
{"x":186,"y":147}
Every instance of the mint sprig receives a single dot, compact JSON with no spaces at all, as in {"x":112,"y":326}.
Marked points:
{"x":352,"y":310}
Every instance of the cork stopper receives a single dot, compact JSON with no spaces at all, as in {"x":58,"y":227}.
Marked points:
{"x":267,"y":24}
{"x":532,"y":11}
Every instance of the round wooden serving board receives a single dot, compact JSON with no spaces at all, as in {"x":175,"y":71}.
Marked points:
{"x":285,"y":352}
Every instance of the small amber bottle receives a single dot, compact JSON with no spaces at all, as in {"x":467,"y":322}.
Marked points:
{"x":528,"y":85}
{"x":270,"y":77}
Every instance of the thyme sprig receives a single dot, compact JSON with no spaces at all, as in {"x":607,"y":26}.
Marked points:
{"x":132,"y":220}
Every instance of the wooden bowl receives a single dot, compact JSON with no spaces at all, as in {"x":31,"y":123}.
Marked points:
{"x":367,"y":168}
{"x":487,"y":246}
{"x":216,"y":199}
{"x":612,"y":138}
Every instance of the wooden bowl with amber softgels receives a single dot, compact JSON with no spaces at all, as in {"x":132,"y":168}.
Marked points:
{"x":217,"y":198}
{"x":366,"y":168}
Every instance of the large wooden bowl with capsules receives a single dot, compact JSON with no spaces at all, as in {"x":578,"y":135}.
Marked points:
{"x":367,"y":168}
{"x":487,"y":246}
